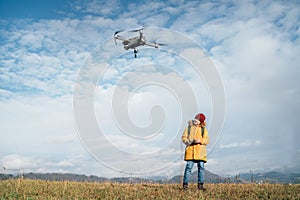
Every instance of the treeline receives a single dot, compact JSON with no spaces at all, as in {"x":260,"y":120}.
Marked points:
{"x":55,"y":177}
{"x":268,"y":177}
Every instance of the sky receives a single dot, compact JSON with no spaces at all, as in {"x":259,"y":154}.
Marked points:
{"x":73,"y":101}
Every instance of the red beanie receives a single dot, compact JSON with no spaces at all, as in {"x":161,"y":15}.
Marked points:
{"x":201,"y":117}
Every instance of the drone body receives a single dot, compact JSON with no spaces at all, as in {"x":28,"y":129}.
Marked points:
{"x":134,"y":42}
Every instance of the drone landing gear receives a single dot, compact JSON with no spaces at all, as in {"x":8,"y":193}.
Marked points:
{"x":135,"y":52}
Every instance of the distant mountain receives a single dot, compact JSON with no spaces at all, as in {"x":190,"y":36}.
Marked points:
{"x":56,"y":177}
{"x":267,"y":177}
{"x":6,"y":176}
{"x":75,"y":177}
{"x":65,"y":177}
{"x":209,"y":177}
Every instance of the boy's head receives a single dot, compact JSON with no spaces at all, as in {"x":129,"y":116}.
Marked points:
{"x":201,"y":117}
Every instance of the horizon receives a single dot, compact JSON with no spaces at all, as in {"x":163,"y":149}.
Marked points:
{"x":157,"y":177}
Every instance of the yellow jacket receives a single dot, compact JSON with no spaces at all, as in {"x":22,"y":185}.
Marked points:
{"x":195,"y":151}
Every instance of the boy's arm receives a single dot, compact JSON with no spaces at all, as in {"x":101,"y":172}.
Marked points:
{"x":185,"y":138}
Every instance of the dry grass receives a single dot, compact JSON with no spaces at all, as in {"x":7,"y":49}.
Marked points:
{"x":37,"y":189}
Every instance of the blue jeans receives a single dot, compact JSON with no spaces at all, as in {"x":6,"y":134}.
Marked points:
{"x":188,"y":169}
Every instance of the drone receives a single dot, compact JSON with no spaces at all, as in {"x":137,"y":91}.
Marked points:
{"x":134,"y":42}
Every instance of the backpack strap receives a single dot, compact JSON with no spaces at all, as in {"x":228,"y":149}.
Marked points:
{"x":202,"y":130}
{"x":189,"y":131}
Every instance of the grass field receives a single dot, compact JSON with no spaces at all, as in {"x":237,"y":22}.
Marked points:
{"x":37,"y":189}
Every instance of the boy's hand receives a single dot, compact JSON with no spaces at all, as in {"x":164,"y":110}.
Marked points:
{"x":196,"y":141}
{"x":188,"y":142}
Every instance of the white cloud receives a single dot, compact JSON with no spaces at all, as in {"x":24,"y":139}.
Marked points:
{"x":65,"y":138}
{"x":106,"y":8}
{"x":65,"y":163}
{"x":15,"y":162}
{"x":240,"y":144}
{"x":80,"y":163}
{"x":30,"y":123}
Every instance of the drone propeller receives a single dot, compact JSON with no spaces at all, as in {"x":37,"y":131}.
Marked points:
{"x":154,"y":41}
{"x":156,"y":44}
{"x":118,"y":32}
{"x":116,"y":36}
{"x":136,"y":30}
{"x":161,"y":44}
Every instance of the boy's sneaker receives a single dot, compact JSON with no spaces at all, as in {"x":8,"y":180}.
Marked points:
{"x":185,"y":186}
{"x":201,"y":187}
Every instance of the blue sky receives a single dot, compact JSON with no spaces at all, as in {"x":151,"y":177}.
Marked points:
{"x":31,"y":9}
{"x":46,"y":45}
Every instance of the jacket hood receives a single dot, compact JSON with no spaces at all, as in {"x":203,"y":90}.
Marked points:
{"x":196,"y":122}
{"x":193,"y":122}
